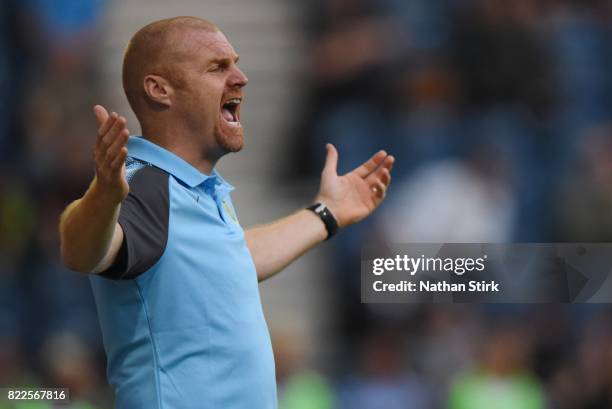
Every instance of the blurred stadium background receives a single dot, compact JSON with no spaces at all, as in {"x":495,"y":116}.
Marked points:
{"x":500,"y":116}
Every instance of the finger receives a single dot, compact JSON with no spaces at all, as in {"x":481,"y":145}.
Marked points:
{"x":101,"y":114}
{"x":112,"y":134}
{"x":381,"y":175}
{"x":384,"y":167}
{"x":105,"y":127}
{"x":117,"y":144}
{"x":331,"y":162}
{"x":378,"y":189}
{"x":370,"y":166}
{"x":385,"y":176}
{"x":119,"y":160}
{"x":388,"y":162}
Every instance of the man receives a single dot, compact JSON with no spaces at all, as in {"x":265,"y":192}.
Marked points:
{"x":173,"y":273}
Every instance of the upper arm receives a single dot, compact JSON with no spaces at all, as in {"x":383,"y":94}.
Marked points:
{"x":141,"y":232}
{"x":113,"y":250}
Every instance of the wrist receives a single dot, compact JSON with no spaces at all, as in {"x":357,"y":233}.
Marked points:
{"x":102,"y":198}
{"x":326,"y":216}
{"x":333,"y":208}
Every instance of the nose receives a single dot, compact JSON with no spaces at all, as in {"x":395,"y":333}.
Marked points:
{"x":238,"y":79}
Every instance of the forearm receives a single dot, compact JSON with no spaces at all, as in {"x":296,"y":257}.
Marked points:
{"x":274,"y":246}
{"x":86,"y":229}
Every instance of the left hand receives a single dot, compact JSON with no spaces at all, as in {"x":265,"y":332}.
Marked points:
{"x":352,"y":197}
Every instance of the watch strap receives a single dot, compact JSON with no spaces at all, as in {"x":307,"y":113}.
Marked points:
{"x":330,"y":222}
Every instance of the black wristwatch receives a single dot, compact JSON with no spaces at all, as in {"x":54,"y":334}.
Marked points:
{"x":331,"y":224}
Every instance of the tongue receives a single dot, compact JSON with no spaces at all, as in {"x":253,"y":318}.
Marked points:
{"x":227,"y":115}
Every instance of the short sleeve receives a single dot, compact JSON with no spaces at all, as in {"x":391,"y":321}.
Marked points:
{"x":143,"y":217}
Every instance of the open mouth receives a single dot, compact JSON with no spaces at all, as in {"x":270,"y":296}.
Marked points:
{"x":229,"y":111}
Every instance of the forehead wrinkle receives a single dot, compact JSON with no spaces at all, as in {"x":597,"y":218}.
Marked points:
{"x":217,"y":46}
{"x":198,"y":49}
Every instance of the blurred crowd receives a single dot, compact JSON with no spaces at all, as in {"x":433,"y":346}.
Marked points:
{"x":49,"y":334}
{"x":500,"y":115}
{"x":460,"y":357}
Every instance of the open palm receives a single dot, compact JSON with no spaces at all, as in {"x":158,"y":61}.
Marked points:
{"x":353,"y":196}
{"x":110,"y":153}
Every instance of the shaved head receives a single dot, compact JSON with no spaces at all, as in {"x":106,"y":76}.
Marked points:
{"x":182,"y":80}
{"x":156,"y":49}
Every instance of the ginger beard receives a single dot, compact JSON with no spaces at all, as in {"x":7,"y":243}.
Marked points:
{"x":215,"y":114}
{"x":228,"y":131}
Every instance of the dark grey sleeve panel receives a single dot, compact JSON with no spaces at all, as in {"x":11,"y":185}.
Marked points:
{"x":143,"y":216}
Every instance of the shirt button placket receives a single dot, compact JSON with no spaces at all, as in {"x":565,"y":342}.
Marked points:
{"x":210,"y":189}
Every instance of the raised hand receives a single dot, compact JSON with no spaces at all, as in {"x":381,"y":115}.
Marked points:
{"x":110,"y":154}
{"x":353,"y":196}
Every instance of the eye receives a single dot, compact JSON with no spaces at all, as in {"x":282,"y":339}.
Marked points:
{"x":218,"y":68}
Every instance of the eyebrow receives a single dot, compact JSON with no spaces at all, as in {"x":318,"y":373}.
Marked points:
{"x":224,"y":59}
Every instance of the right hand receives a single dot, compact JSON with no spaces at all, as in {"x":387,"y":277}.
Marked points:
{"x":110,"y":154}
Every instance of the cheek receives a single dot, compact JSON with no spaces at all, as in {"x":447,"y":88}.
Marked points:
{"x":202,"y":108}
{"x":204,"y":99}
{"x":203,"y":96}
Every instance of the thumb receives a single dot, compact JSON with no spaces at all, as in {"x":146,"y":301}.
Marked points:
{"x":101,"y":114}
{"x":331,"y":162}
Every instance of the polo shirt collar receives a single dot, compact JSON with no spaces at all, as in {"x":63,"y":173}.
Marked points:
{"x":147,"y":151}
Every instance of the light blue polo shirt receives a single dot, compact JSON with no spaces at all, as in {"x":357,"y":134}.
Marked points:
{"x":180,"y":312}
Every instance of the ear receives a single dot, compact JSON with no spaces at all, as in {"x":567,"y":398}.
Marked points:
{"x":158,"y":89}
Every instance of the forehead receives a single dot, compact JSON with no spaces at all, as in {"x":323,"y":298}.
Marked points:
{"x":207,"y":45}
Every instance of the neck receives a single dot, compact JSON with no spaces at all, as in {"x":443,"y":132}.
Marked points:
{"x":190,"y":153}
{"x":186,"y":145}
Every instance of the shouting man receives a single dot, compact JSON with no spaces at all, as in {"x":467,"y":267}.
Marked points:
{"x":173,"y":273}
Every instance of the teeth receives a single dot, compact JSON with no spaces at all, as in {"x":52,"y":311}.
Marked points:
{"x":231,"y":105}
